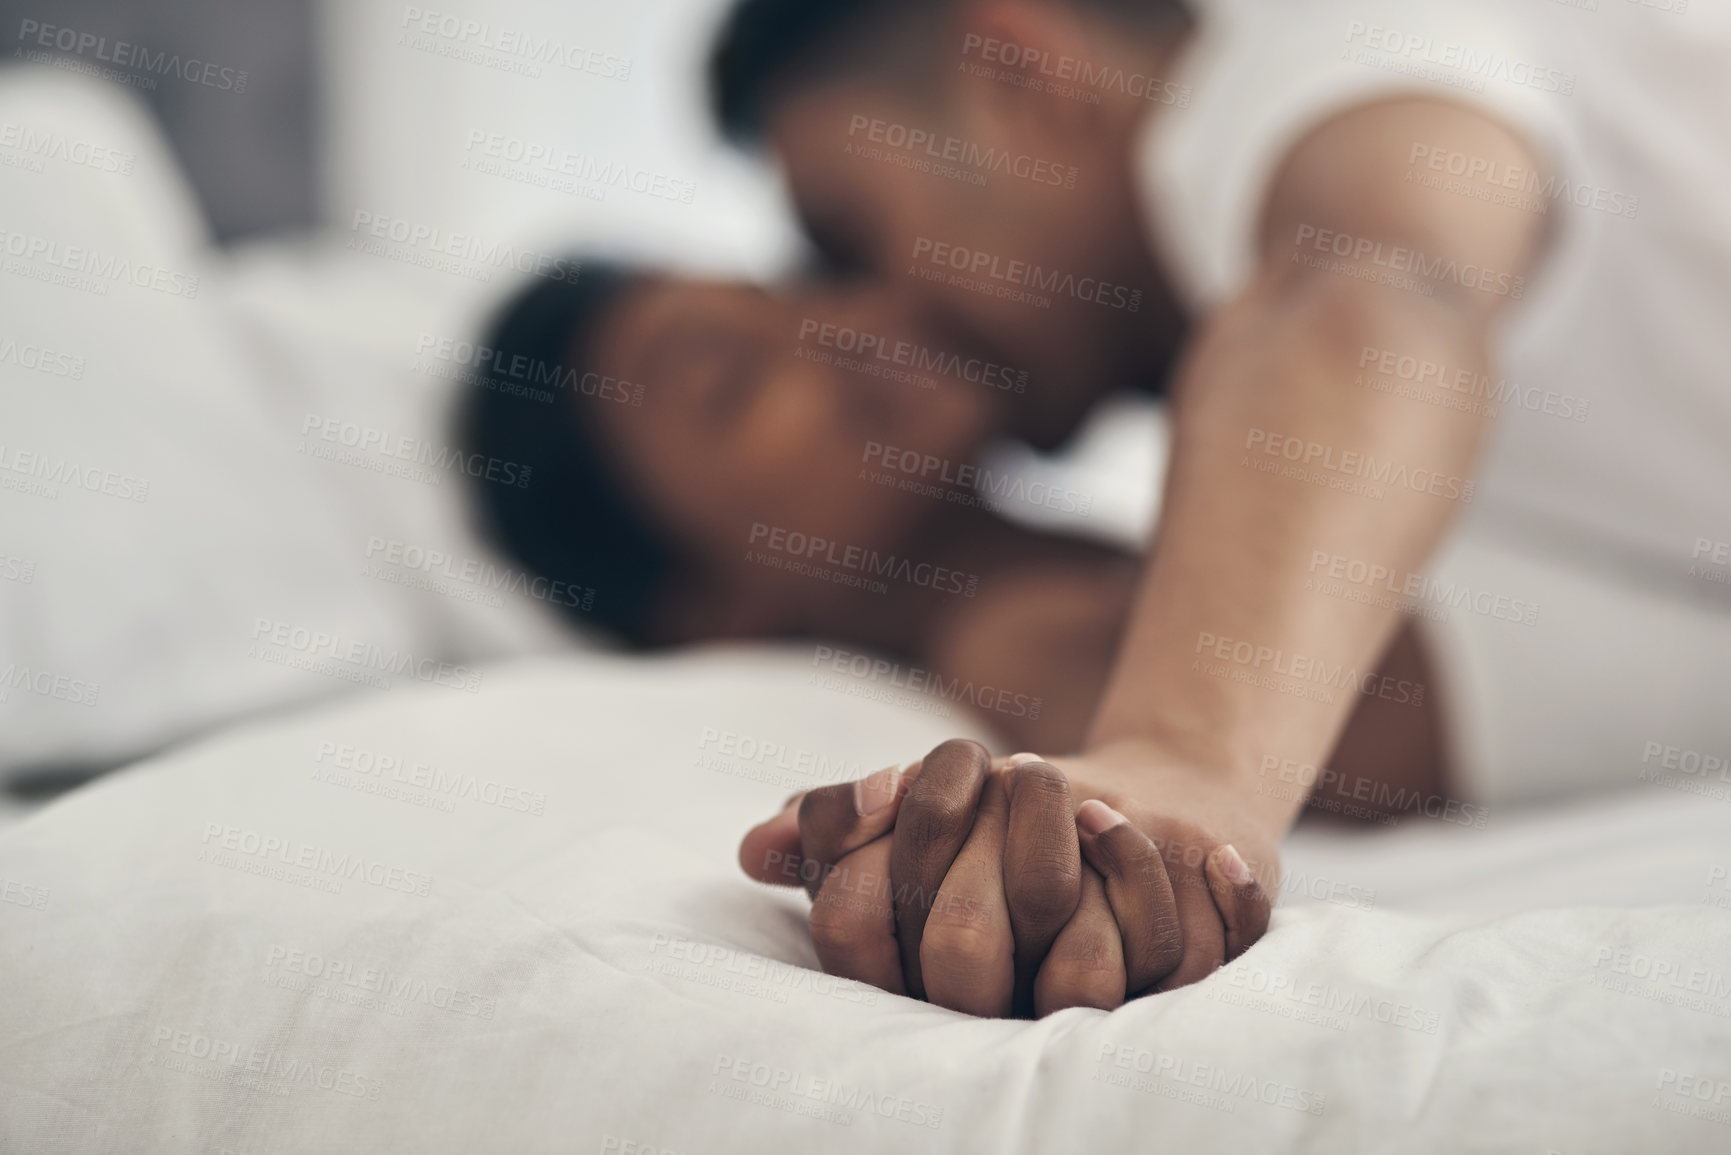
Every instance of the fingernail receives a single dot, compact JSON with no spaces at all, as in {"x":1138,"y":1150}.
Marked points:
{"x":1018,"y":759}
{"x":1097,"y":818}
{"x":1232,"y":866}
{"x":876,"y":791}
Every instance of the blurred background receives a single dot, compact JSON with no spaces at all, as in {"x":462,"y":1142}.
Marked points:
{"x":249,"y":189}
{"x":319,"y":204}
{"x":347,"y":105}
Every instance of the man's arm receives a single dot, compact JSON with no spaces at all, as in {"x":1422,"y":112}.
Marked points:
{"x":1283,"y":452}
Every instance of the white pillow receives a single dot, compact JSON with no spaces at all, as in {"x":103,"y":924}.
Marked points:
{"x":165,"y":508}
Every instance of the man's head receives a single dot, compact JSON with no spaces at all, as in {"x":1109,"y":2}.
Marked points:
{"x":665,"y":419}
{"x":973,"y":153}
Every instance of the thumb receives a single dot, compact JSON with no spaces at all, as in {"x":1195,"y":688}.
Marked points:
{"x":769,"y":852}
{"x":1239,"y":898}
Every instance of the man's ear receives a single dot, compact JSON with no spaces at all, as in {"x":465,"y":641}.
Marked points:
{"x":1009,"y":52}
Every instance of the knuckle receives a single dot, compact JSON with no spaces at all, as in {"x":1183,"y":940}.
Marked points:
{"x":960,"y":946}
{"x":1164,"y":949}
{"x":1043,"y":895}
{"x":1038,"y":782}
{"x":1128,"y":845}
{"x":934,"y":819}
{"x":1088,"y":954}
{"x":1082,"y":981}
{"x":837,"y":927}
{"x":961,"y":750}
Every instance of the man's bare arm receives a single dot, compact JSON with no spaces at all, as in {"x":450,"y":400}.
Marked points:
{"x":1282,"y":453}
{"x":1228,"y":656}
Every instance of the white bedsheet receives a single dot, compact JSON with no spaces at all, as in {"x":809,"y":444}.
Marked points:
{"x":592,"y":970}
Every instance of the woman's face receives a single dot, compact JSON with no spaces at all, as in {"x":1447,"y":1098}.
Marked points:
{"x":775,"y":409}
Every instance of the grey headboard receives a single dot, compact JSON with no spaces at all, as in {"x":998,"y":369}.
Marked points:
{"x":252,"y":156}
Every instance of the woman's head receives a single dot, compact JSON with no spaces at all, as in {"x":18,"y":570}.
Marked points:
{"x":688,"y":413}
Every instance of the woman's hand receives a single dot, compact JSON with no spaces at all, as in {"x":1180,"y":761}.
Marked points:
{"x":982,"y":888}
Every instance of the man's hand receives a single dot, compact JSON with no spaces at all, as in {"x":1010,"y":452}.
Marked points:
{"x":963,"y":882}
{"x":1144,"y":809}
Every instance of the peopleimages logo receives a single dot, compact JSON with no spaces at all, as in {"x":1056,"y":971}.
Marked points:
{"x":1422,"y":373}
{"x":1398,"y":259}
{"x":954,"y":150}
{"x":134,"y":56}
{"x":335,"y":866}
{"x":1421,"y":54}
{"x":47,"y":684}
{"x":41,"y":359}
{"x":1318,"y":783}
{"x":1529,"y":192}
{"x":23,"y":894}
{"x":1014,"y":279}
{"x":719,"y":966}
{"x":257,"y":1068}
{"x":867,"y":347}
{"x":891,"y":679}
{"x":519,"y":373}
{"x":343,"y":975}
{"x":1411,"y":592}
{"x":54,"y":471}
{"x":352,"y":659}
{"x":538,"y":162}
{"x":1067,"y":76}
{"x":50,"y":260}
{"x":377,"y":771}
{"x":1281,"y":992}
{"x":1701,"y":773}
{"x":428,"y":246}
{"x":402,"y":560}
{"x":40,"y":145}
{"x":966,"y":483}
{"x":808,"y":549}
{"x":1231,"y":1087}
{"x":364,"y":440}
{"x":1304,"y":669}
{"x":512,"y":42}
{"x":1355,"y":466}
{"x":725,"y":748}
{"x":1710,"y":561}
{"x":804,"y":1094}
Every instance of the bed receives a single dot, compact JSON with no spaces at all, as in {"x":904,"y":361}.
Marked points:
{"x":510,"y":920}
{"x":500,"y":911}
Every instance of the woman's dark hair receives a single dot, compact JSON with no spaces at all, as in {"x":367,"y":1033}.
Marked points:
{"x":574,"y":521}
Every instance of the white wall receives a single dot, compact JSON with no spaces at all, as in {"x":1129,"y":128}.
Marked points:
{"x":398,"y":119}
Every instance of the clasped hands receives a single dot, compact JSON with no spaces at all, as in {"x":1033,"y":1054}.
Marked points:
{"x":1022,"y":887}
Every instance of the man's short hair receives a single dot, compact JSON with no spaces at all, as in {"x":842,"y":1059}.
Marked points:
{"x":577,"y":521}
{"x":768,"y":46}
